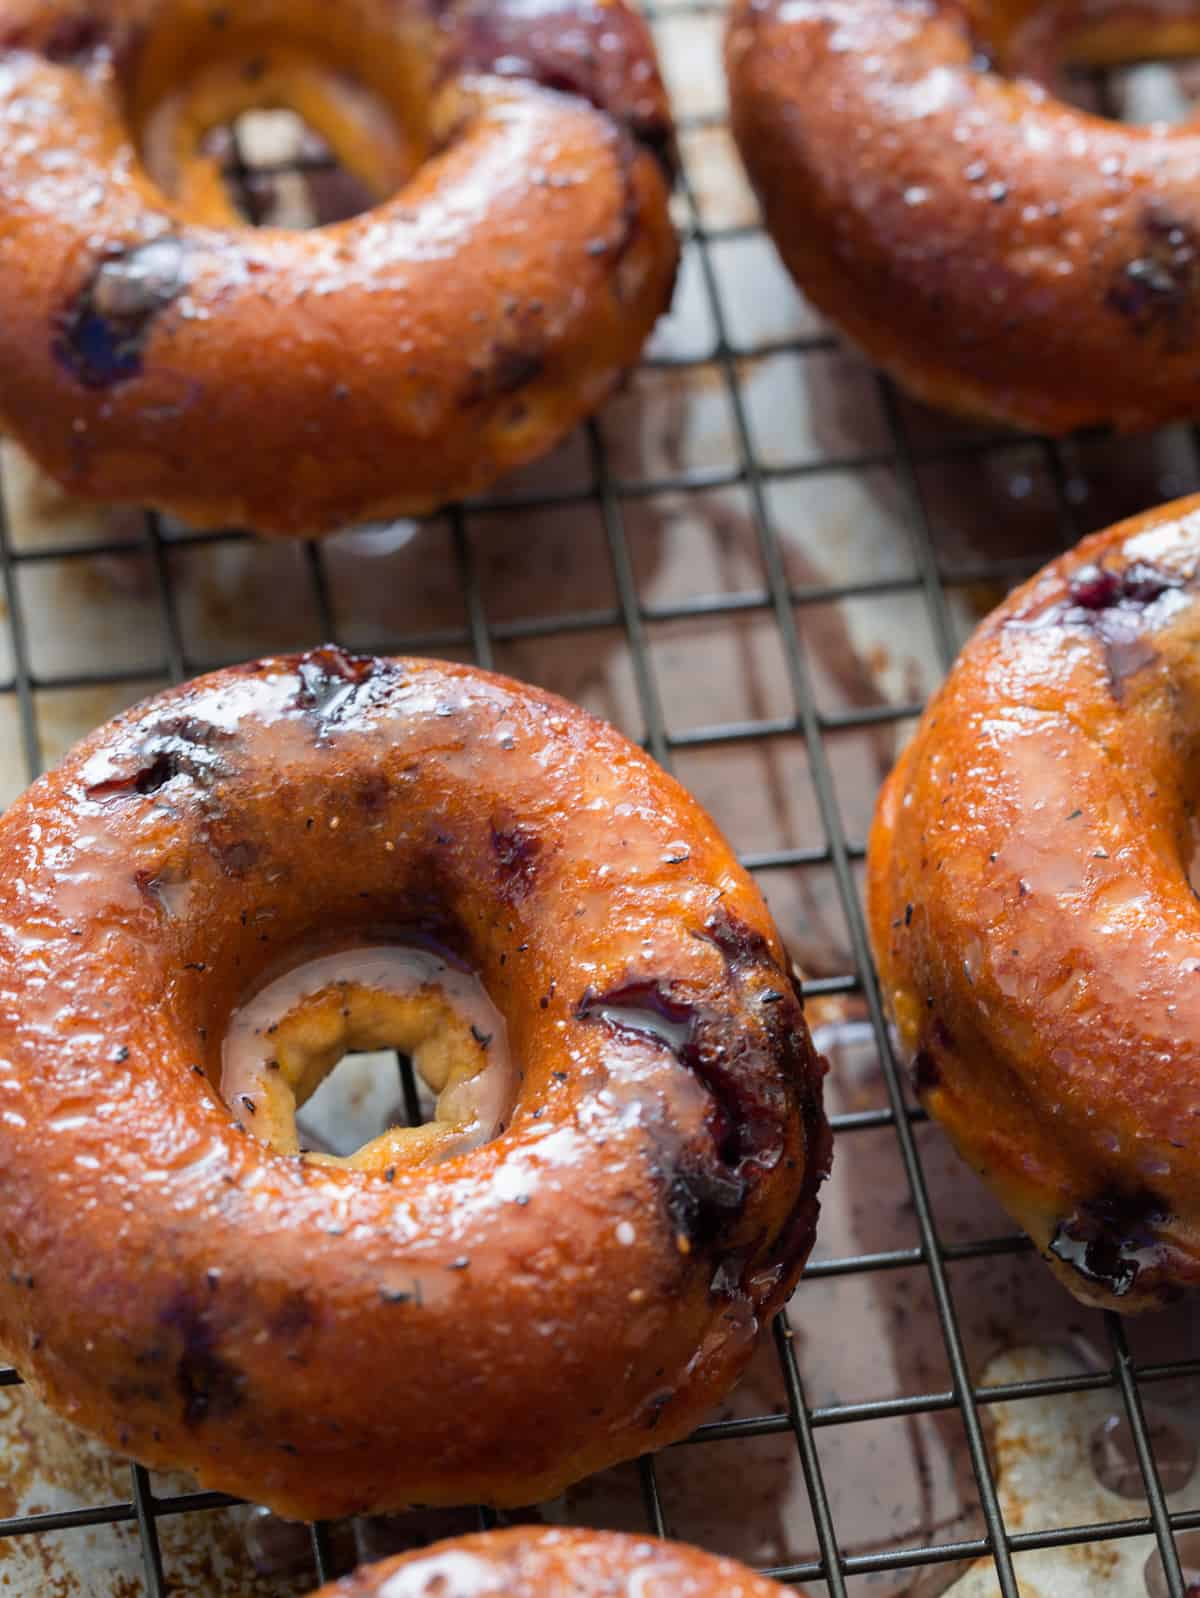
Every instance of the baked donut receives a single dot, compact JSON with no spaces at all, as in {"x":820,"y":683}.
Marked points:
{"x":154,"y":349}
{"x":1037,"y":933}
{"x":569,"y":1267}
{"x":998,"y":251}
{"x":554,"y":1562}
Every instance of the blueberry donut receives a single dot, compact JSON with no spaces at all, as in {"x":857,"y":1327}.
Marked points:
{"x":999,"y":251}
{"x":1034,"y":914}
{"x":230,"y":886}
{"x":155,"y":350}
{"x":554,"y":1562}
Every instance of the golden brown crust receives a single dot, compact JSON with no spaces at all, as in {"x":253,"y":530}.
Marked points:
{"x":1032,"y":914}
{"x":154,"y":351}
{"x":577,"y":1291}
{"x":999,"y":252}
{"x":554,"y":1562}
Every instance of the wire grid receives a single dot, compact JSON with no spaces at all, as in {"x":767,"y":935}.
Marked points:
{"x":840,"y":853}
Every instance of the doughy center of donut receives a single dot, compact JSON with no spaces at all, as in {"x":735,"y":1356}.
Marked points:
{"x":285,"y":1040}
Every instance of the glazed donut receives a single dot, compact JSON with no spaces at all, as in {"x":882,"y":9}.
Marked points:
{"x":999,"y":252}
{"x":569,"y":1267}
{"x":153,"y":349}
{"x":1037,"y":933}
{"x":554,"y":1562}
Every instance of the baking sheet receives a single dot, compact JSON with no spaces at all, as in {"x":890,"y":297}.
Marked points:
{"x":862,"y":488}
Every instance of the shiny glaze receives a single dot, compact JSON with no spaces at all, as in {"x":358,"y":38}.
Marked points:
{"x":1037,"y":933}
{"x":329,"y":1340}
{"x":1047,"y":261}
{"x":554,"y":1562}
{"x":153,"y":349}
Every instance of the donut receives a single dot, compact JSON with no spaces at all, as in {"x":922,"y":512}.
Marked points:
{"x":155,"y":350}
{"x":1035,"y":927}
{"x":999,"y":252}
{"x":554,"y":1562}
{"x":569,"y":1266}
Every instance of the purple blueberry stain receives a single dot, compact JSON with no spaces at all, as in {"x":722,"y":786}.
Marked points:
{"x":102,"y":335}
{"x":1113,"y":603}
{"x":178,"y":746}
{"x":1098,"y":588}
{"x":643,"y":1008}
{"x":1156,"y":291}
{"x":331,"y":680}
{"x":1113,"y":1238}
{"x":593,"y":51}
{"x":517,"y":850}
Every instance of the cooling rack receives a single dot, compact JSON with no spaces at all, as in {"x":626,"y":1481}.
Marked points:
{"x":802,"y":509}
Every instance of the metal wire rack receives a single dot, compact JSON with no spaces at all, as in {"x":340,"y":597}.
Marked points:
{"x":915,"y":453}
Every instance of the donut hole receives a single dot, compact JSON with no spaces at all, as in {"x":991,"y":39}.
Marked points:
{"x":367,"y":1093}
{"x":321,"y":1038}
{"x":1133,"y":64}
{"x":1141,"y":93}
{"x":279,"y":172}
{"x":313,"y":114}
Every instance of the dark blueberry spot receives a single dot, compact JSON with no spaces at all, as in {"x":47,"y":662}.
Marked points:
{"x":177,"y":746}
{"x":508,"y":370}
{"x":71,"y":41}
{"x":210,"y":1387}
{"x":1112,"y":602}
{"x":75,"y":39}
{"x":330,"y":679}
{"x":926,"y":1073}
{"x":726,"y":1281}
{"x":1111,"y":1239}
{"x":593,"y":51}
{"x":146,"y":779}
{"x":743,"y":1115}
{"x":740,"y":944}
{"x":1097,"y":588}
{"x":164,"y":766}
{"x":755,"y":1073}
{"x":642,"y":1008}
{"x":1157,"y":291}
{"x":701,"y":1198}
{"x":517,"y":852}
{"x":925,"y":1069}
{"x":103,"y":334}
